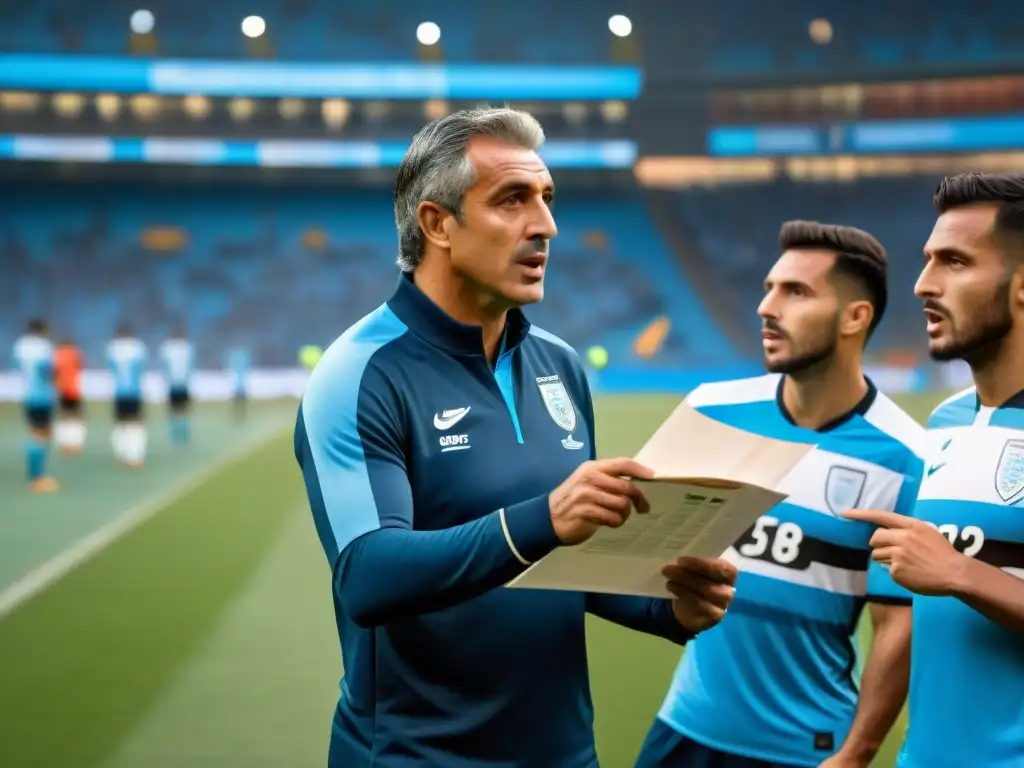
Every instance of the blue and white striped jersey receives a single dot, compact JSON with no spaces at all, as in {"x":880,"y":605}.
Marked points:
{"x":127,"y":360}
{"x":33,"y":357}
{"x":967,"y":672}
{"x":178,"y":360}
{"x":777,"y":679}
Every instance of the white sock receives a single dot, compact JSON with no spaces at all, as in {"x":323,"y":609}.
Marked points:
{"x":117,"y":441}
{"x":135,"y":443}
{"x":69,"y":434}
{"x":77,"y":433}
{"x":63,"y":434}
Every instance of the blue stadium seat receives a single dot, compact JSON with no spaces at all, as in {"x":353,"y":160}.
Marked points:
{"x":755,"y":38}
{"x":737,"y":228}
{"x":252,"y":273}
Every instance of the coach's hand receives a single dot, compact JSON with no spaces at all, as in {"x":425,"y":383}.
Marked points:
{"x":919,"y":557}
{"x":704,"y":588}
{"x":597,"y":494}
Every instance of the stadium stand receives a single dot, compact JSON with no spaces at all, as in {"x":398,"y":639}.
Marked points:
{"x":273,"y":270}
{"x":769,"y":38}
{"x":723,"y":37}
{"x":315,"y":30}
{"x":735,"y":230}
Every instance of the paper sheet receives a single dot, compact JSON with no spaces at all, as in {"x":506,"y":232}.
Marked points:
{"x":712,"y":483}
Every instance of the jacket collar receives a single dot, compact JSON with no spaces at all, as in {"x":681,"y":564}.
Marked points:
{"x":427,"y":320}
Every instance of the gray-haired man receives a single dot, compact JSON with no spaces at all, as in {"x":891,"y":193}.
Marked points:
{"x":446,"y":444}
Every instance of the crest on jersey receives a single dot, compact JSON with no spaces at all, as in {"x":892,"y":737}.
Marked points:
{"x":1010,"y":471}
{"x":843,"y":488}
{"x":559,"y":406}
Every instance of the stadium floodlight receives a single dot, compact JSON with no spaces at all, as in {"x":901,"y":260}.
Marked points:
{"x":241,"y":109}
{"x":68,"y":104}
{"x":428,"y":33}
{"x":142,"y":22}
{"x":108,"y":105}
{"x":20,"y":101}
{"x":253,"y":26}
{"x":291,"y":109}
{"x":146,"y":106}
{"x":195,"y":106}
{"x":820,"y":31}
{"x":335,"y":112}
{"x":620,"y":25}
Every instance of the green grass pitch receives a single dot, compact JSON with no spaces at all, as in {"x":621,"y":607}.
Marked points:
{"x":205,"y":635}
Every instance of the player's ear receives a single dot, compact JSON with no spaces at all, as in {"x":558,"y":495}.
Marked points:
{"x":857,"y":317}
{"x":433,"y":221}
{"x":1017,"y":286}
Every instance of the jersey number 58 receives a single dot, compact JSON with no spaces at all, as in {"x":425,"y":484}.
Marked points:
{"x":780,"y":541}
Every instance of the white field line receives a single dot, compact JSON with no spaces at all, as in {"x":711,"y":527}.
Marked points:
{"x":92,"y":544}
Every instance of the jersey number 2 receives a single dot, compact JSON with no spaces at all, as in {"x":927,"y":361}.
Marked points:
{"x":969,"y":540}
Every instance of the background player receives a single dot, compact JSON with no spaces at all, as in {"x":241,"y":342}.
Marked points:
{"x":178,"y":360}
{"x":70,"y":430}
{"x":238,"y":366}
{"x":774,"y":682}
{"x":127,"y":358}
{"x":33,"y":356}
{"x":964,"y":554}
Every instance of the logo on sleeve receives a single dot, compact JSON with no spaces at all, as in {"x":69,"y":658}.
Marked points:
{"x":843,"y":488}
{"x":560,"y":408}
{"x":449,"y":418}
{"x":1010,"y":472}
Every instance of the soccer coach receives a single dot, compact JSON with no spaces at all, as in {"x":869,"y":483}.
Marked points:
{"x":446,"y":444}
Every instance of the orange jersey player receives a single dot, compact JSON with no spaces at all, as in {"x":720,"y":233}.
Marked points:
{"x":70,"y":428}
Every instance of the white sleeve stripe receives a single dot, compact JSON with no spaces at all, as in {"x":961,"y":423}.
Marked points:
{"x":508,"y":538}
{"x":953,"y":398}
{"x":892,"y":420}
{"x":755,"y":389}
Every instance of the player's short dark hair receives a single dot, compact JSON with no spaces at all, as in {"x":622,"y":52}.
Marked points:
{"x":860,"y":257}
{"x":37,"y":325}
{"x":1006,"y":190}
{"x":124,"y":329}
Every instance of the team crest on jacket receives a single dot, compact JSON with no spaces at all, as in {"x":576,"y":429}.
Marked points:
{"x":1010,"y":471}
{"x":843,"y":488}
{"x":557,"y":401}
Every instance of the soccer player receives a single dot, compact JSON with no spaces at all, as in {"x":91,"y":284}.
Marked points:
{"x":177,"y":357}
{"x":238,"y":366}
{"x":69,"y":431}
{"x":963,"y":553}
{"x":775,"y":684}
{"x":127,"y":357}
{"x":446,"y":444}
{"x":33,"y":356}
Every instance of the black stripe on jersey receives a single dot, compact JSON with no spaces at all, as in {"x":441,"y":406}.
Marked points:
{"x":814,"y":550}
{"x":810,"y":550}
{"x":1002,"y":554}
{"x":889,"y":600}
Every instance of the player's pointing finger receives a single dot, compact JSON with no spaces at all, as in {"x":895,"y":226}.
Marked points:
{"x":879,"y":517}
